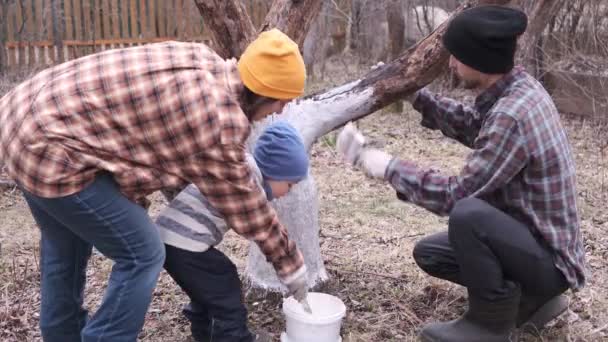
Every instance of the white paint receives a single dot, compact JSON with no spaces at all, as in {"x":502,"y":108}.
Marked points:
{"x":316,"y":117}
{"x":323,"y":325}
{"x":298,"y":211}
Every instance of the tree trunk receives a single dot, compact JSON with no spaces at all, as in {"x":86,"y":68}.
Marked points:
{"x":538,"y":19}
{"x":231,"y":36}
{"x":319,"y":114}
{"x":396,"y":33}
{"x":293,"y":17}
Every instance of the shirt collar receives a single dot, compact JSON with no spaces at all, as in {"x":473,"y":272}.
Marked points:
{"x":488,"y":97}
{"x":233,"y":78}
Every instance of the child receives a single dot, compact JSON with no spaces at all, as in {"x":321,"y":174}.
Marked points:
{"x":190,"y":228}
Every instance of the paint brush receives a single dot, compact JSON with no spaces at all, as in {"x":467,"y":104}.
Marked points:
{"x":305,"y":305}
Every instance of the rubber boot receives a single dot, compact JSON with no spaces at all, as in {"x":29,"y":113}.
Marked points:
{"x":484,"y":321}
{"x":534,"y":312}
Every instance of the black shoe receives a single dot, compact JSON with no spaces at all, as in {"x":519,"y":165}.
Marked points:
{"x":484,"y":321}
{"x":532,"y":316}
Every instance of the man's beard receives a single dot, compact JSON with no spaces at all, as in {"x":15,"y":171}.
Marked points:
{"x":458,"y":81}
{"x":470,"y":84}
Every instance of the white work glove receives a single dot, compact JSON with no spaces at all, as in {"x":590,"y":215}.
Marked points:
{"x":411,"y":98}
{"x":350,"y":142}
{"x":374,"y":162}
{"x":351,"y":145}
{"x":297,"y":284}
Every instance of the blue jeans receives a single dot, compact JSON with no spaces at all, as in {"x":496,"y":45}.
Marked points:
{"x":70,"y":226}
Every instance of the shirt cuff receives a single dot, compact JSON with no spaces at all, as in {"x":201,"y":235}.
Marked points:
{"x":398,"y":174}
{"x":288,"y":279}
{"x":422,"y":104}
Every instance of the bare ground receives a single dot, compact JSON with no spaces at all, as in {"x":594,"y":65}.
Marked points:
{"x":367,"y":237}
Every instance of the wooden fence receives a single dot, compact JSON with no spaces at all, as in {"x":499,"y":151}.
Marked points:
{"x":42,"y":32}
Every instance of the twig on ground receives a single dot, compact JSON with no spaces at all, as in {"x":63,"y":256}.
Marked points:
{"x":391,"y":239}
{"x":600,"y":329}
{"x":369,"y":273}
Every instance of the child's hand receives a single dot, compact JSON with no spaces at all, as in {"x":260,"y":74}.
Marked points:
{"x":297,"y":284}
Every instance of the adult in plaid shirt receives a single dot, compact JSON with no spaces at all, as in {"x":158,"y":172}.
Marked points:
{"x":513,"y":235}
{"x":87,"y":140}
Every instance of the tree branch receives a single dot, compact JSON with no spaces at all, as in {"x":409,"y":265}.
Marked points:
{"x":418,"y":66}
{"x":293,"y":17}
{"x":230,"y":25}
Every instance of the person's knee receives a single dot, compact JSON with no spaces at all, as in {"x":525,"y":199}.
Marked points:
{"x":424,"y":256}
{"x":156,"y":259}
{"x":421,"y":253}
{"x":151,"y":259}
{"x":465,"y":215}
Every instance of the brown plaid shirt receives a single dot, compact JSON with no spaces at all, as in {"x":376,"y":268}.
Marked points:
{"x":521,"y":163}
{"x":156,"y":116}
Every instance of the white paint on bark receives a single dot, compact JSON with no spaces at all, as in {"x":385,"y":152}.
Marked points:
{"x":298,"y":211}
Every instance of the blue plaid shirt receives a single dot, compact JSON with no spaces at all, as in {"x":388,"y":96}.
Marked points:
{"x":521,"y":163}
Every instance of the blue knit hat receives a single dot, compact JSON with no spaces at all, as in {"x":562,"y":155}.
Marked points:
{"x":280,"y":153}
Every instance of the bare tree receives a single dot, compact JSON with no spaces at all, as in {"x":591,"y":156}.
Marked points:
{"x":396,"y":34}
{"x":539,"y":18}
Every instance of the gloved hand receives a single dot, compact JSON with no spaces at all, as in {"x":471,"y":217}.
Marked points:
{"x":351,"y":145}
{"x":374,"y":162}
{"x":350,"y":142}
{"x":297,"y":284}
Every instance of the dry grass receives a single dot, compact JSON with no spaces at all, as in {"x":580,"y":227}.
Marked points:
{"x":367,"y":240}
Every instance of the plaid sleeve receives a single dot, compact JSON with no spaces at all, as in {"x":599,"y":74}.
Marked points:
{"x":454,"y":119}
{"x":230,"y":189}
{"x":499,"y":154}
{"x":222,"y":174}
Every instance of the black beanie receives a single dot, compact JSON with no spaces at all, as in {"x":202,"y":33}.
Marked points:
{"x":485,"y":37}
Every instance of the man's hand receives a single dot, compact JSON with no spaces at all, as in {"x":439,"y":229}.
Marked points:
{"x":374,"y":162}
{"x":350,"y":143}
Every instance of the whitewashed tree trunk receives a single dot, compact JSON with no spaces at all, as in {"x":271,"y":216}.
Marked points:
{"x":298,"y":211}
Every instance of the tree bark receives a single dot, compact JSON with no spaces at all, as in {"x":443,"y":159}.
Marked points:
{"x":293,"y":17}
{"x":232,"y":29}
{"x":396,"y":33}
{"x":538,"y":19}
{"x":230,"y":25}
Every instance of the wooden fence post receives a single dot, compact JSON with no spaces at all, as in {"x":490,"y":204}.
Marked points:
{"x":58,"y":28}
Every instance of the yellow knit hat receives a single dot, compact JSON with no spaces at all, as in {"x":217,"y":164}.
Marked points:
{"x":272,"y":66}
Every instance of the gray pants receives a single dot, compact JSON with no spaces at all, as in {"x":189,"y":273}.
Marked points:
{"x":483,"y":247}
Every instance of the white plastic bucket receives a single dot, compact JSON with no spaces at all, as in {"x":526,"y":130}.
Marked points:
{"x":323,"y":325}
